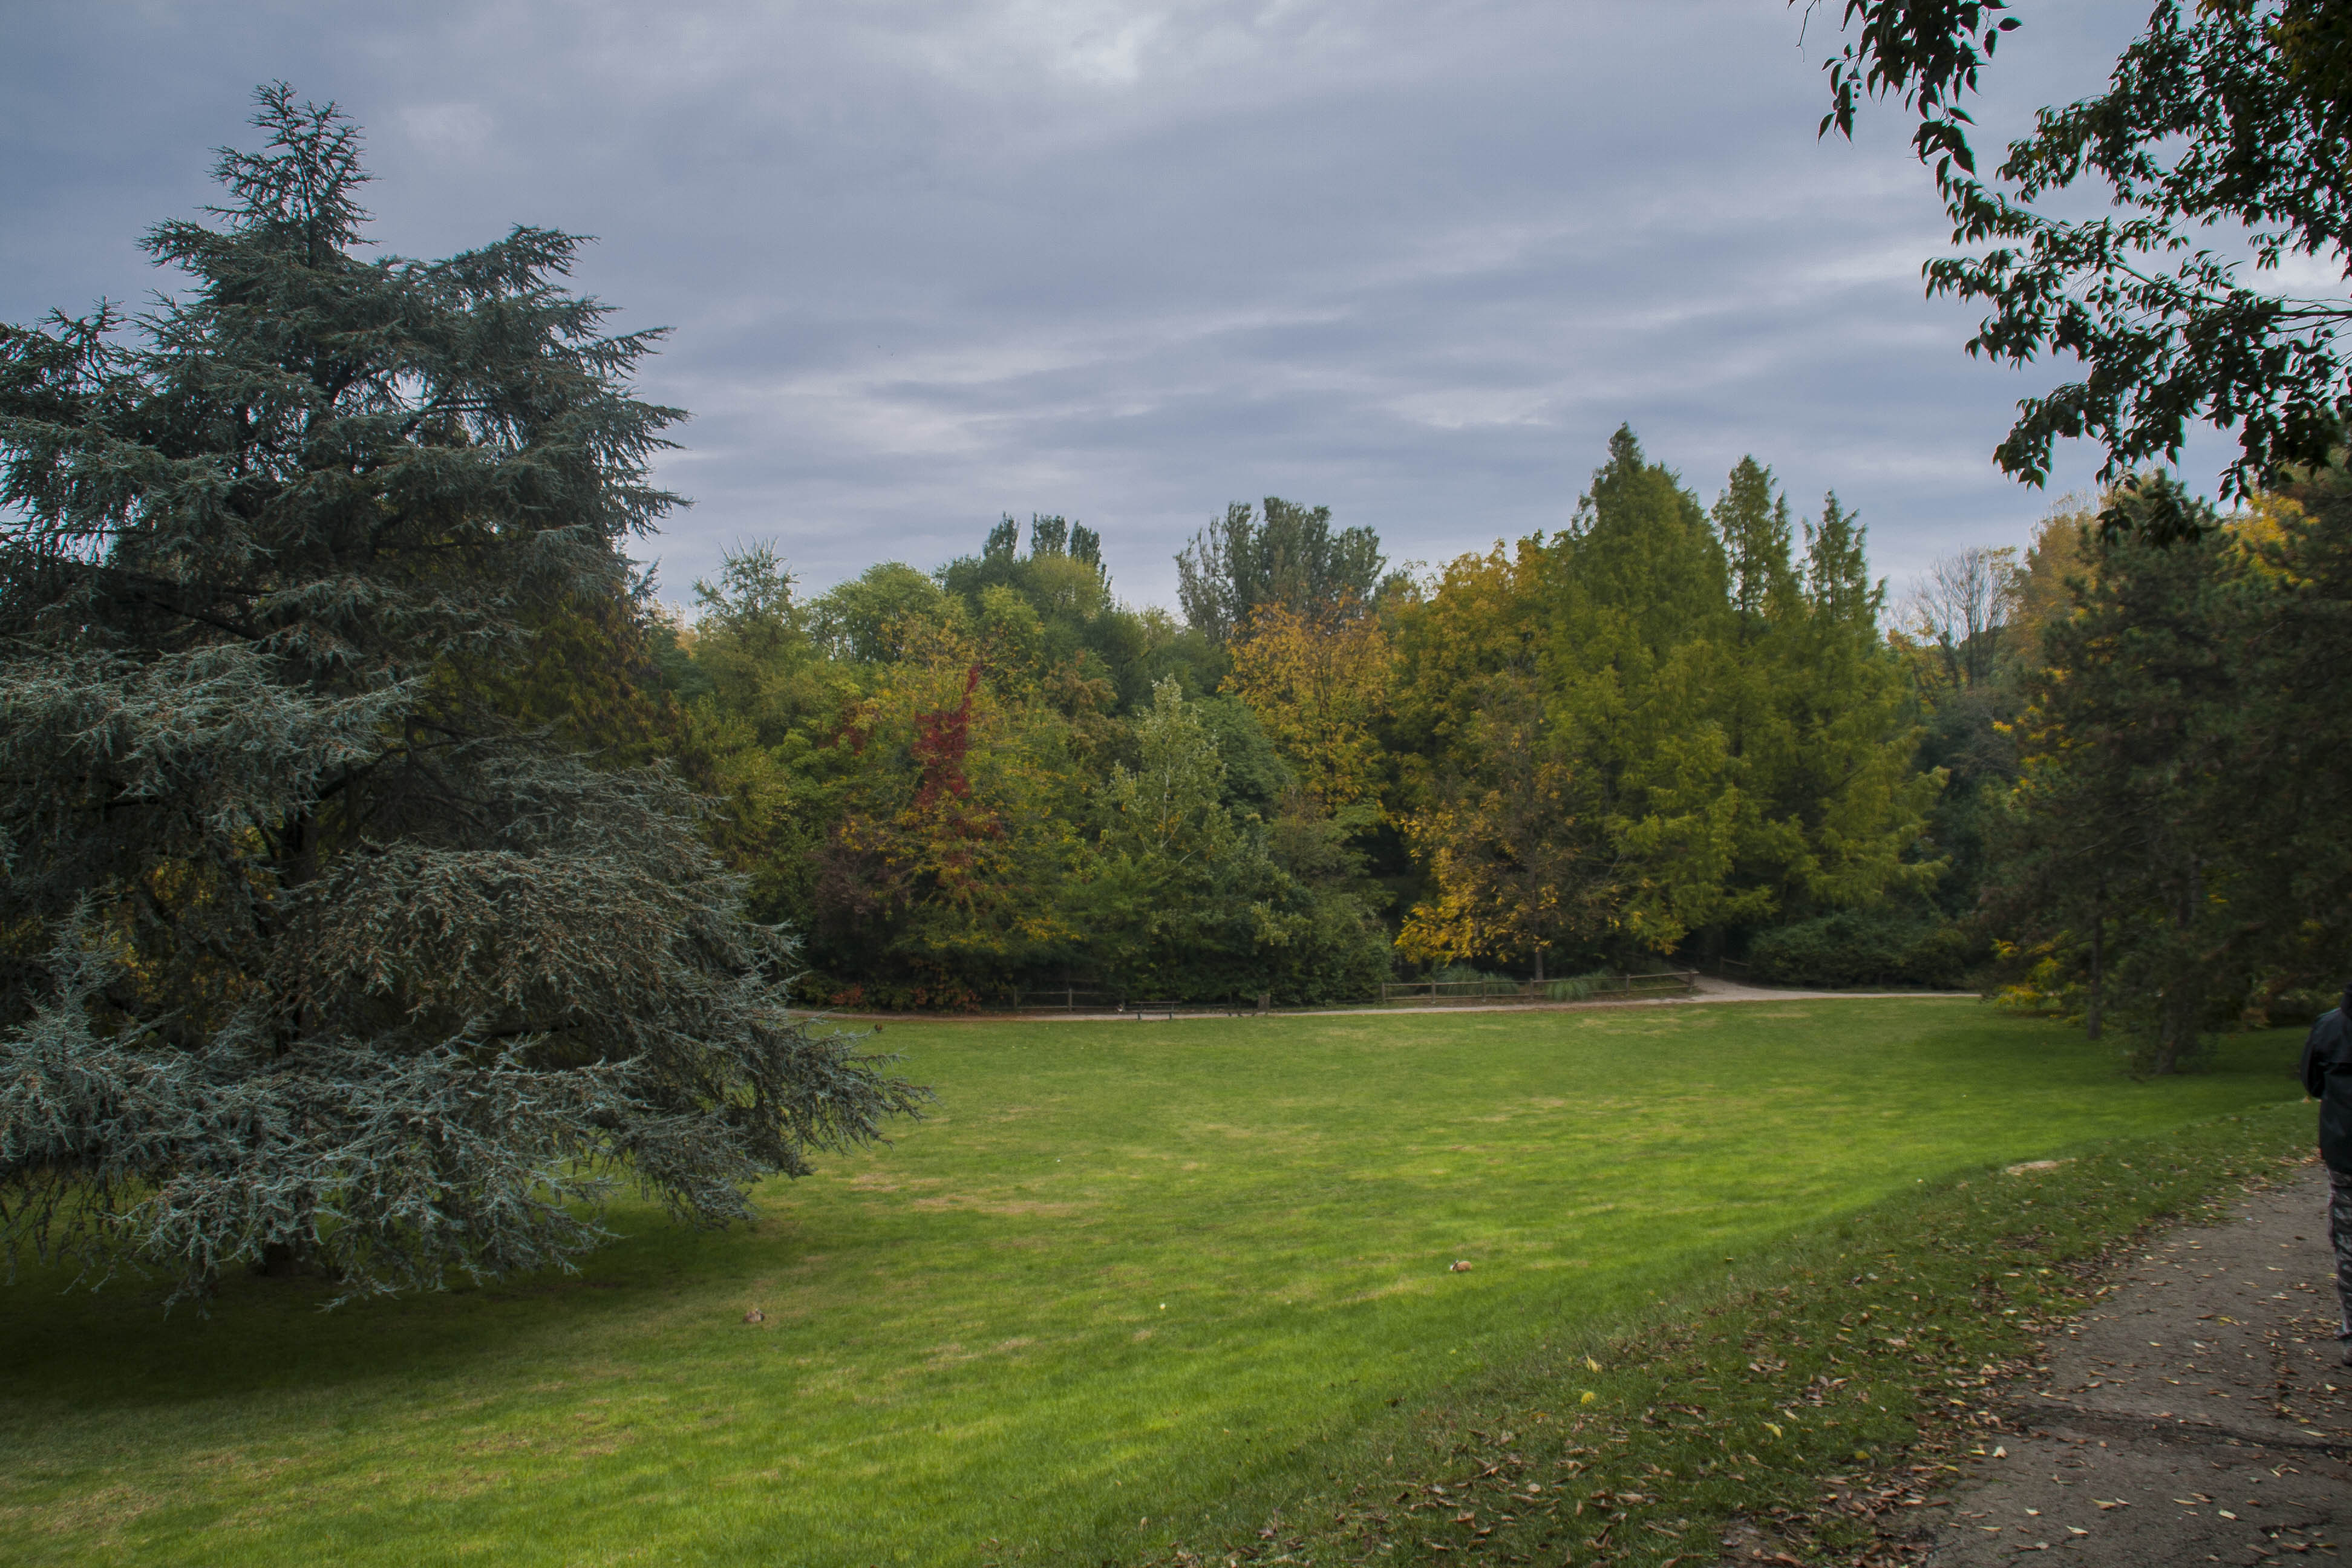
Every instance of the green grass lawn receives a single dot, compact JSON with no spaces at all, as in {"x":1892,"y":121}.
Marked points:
{"x":1126,"y":1272}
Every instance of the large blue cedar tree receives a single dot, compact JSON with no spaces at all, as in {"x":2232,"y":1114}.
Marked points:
{"x":310,"y":956}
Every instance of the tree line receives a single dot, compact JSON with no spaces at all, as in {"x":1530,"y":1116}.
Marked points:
{"x":1654,"y":732}
{"x":2090,"y":776}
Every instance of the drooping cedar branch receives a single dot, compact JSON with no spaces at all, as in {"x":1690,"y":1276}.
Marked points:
{"x":314,"y":941}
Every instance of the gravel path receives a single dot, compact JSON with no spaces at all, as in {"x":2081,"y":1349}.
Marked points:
{"x":1709,"y":990}
{"x":2198,"y":1414}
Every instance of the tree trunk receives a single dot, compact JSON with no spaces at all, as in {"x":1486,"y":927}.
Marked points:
{"x":2097,"y":1005}
{"x":2180,"y":1006}
{"x":278,"y":1261}
{"x":301,"y":861}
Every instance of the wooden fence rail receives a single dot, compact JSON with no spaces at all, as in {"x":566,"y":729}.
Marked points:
{"x":1078,"y":999}
{"x":1086,"y":999}
{"x":1070,"y":999}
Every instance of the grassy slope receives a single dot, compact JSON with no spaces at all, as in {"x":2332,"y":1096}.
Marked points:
{"x":966,"y":1341}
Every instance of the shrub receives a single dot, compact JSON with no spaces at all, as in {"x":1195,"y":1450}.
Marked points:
{"x":1864,"y":947}
{"x":1577,"y":987}
{"x":1462,"y":974}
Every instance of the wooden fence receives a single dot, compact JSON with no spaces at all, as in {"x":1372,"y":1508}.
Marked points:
{"x":1232,"y":1008}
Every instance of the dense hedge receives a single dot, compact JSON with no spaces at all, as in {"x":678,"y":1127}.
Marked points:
{"x":1866,"y":947}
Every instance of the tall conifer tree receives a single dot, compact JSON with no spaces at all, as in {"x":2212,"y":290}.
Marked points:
{"x":310,"y":951}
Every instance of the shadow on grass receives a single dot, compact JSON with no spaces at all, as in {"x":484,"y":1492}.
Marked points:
{"x":118,"y":1347}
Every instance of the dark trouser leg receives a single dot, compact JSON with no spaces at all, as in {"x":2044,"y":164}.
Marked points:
{"x":2339,"y":1231}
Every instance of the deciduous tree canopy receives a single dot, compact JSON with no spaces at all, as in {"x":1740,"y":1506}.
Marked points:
{"x":2222,"y":140}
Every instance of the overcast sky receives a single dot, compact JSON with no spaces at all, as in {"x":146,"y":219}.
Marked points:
{"x":930,"y":261}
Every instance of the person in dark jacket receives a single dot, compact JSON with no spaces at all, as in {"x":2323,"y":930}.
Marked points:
{"x":2328,"y":1078}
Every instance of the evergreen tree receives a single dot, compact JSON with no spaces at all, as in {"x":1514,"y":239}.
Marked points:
{"x":1856,"y":788}
{"x":1646,"y":572}
{"x":311,"y":949}
{"x":1652,"y":726}
{"x":1837,"y":572}
{"x":1764,"y":671}
{"x":1752,"y":520}
{"x":2126,"y":850}
{"x":1641,"y":612}
{"x":2173,"y":858}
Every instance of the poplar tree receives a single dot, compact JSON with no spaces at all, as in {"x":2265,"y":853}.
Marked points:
{"x":1287,"y":554}
{"x":311,"y":954}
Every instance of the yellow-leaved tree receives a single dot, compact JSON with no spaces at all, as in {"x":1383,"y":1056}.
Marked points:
{"x":1518,"y":862}
{"x":1318,"y":684}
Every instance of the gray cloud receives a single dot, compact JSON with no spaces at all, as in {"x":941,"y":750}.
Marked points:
{"x":929,"y":262}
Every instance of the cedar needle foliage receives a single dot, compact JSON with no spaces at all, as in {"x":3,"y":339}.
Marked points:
{"x":312,"y":953}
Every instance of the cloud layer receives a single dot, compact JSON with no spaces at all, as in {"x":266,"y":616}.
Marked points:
{"x":926,"y":263}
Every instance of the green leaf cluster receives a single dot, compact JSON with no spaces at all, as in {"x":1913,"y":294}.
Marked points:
{"x":2222,"y":139}
{"x":969,"y":782}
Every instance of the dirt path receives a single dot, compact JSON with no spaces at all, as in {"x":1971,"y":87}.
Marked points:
{"x":2198,"y":1414}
